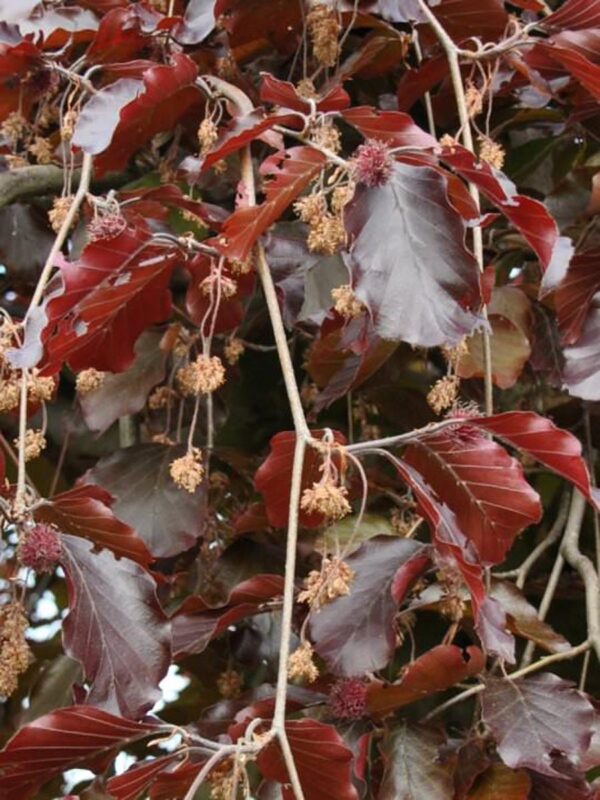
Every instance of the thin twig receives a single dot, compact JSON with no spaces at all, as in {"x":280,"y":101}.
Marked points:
{"x":244,"y":105}
{"x":452,"y":54}
{"x":86,"y":173}
{"x":584,"y":566}
{"x":520,"y":673}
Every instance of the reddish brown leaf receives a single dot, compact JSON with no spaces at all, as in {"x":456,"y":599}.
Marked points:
{"x":486,"y":19}
{"x":199,"y":305}
{"x":291,"y":171}
{"x":322,"y":759}
{"x":86,"y":511}
{"x":65,"y":738}
{"x":241,"y":131}
{"x":509,"y":313}
{"x":115,"y":628}
{"x":355,"y":634}
{"x":273,"y":478}
{"x":413,"y":766}
{"x":523,"y":618}
{"x":21,"y":76}
{"x":482,"y":484}
{"x":574,"y":15}
{"x":116,"y":289}
{"x":122,"y":34}
{"x":436,"y":670}
{"x":285,"y":94}
{"x":501,"y":783}
{"x":196,"y":622}
{"x":526,"y":717}
{"x":133,"y":112}
{"x":576,"y":292}
{"x":539,"y":437}
{"x":393,"y":127}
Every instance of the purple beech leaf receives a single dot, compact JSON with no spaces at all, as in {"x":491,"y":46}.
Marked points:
{"x":115,"y":628}
{"x":491,"y":627}
{"x":409,"y":261}
{"x":355,"y":634}
{"x":167,"y":518}
{"x":99,"y":117}
{"x":581,"y":374}
{"x":126,"y":392}
{"x":533,"y":718}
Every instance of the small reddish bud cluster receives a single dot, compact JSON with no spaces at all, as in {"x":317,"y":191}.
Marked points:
{"x":348,"y":699}
{"x":41,"y":548}
{"x":373,"y":163}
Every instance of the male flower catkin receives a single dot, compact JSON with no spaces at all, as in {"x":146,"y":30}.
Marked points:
{"x":326,"y":498}
{"x":202,"y":376}
{"x":15,"y":655}
{"x":187,"y":472}
{"x":334,"y":579}
{"x":301,"y":666}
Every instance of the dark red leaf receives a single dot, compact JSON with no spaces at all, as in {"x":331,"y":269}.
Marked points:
{"x":482,"y":484}
{"x":115,"y":628}
{"x":322,"y":759}
{"x":436,"y":670}
{"x":21,"y":76}
{"x":65,"y":738}
{"x":86,"y":511}
{"x":526,"y":717}
{"x":285,"y":94}
{"x":132,"y":113}
{"x":292,"y":171}
{"x":574,"y":15}
{"x":582,"y":360}
{"x":529,"y":216}
{"x":273,"y":478}
{"x":413,"y":765}
{"x":198,"y":304}
{"x":393,"y":127}
{"x":539,"y":437}
{"x":581,"y":68}
{"x":576,"y":292}
{"x":139,"y":778}
{"x":355,"y":634}
{"x":486,"y":19}
{"x":402,"y":223}
{"x":241,"y":131}
{"x":196,"y":622}
{"x":168,"y":519}
{"x":122,"y":34}
{"x":451,"y":545}
{"x":116,"y":289}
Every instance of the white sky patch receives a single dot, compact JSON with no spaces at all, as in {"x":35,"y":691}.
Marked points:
{"x":171,"y":686}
